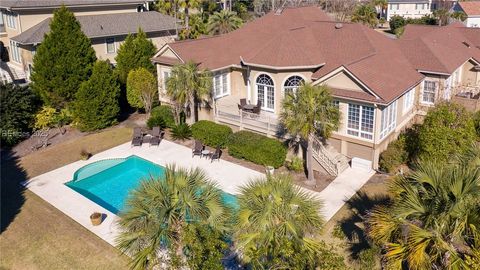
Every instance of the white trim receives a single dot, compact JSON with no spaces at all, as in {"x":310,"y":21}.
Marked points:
{"x":164,"y":48}
{"x":264,"y":105}
{"x":288,"y":77}
{"x":360,"y":114}
{"x":222,"y":94}
{"x":433,"y":72}
{"x":406,"y":108}
{"x":422,"y":89}
{"x":342,"y":68}
{"x":281,"y":67}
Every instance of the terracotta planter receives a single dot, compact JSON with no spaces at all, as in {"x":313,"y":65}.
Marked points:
{"x":96,"y":218}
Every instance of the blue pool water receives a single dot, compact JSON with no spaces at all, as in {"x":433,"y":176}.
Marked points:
{"x":108,"y":182}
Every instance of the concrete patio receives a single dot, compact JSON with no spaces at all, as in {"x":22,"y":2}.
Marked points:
{"x":229,"y":177}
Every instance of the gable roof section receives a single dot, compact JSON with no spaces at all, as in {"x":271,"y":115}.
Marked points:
{"x":28,"y":4}
{"x":471,"y":8}
{"x":106,"y":25}
{"x":440,"y":49}
{"x":306,"y":39}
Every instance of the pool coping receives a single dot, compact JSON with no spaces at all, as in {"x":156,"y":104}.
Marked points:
{"x":51,"y":186}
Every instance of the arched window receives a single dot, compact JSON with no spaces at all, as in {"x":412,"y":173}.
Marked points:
{"x":266,"y":92}
{"x":292,"y":83}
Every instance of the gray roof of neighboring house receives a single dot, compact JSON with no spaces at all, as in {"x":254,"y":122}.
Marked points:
{"x":105,"y":25}
{"x":56,"y":3}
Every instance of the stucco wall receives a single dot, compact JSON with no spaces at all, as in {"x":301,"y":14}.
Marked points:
{"x":407,"y":10}
{"x":473,"y":21}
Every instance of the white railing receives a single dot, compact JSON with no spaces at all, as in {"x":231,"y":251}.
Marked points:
{"x":321,"y":154}
{"x":263,"y":123}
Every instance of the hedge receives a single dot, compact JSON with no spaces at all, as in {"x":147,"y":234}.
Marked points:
{"x":257,"y":149}
{"x":394,"y":156}
{"x":211,"y":134}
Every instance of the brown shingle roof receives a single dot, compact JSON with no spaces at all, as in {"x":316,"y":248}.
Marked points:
{"x":440,"y":49}
{"x":471,"y":8}
{"x":14,"y":4}
{"x":306,"y":38}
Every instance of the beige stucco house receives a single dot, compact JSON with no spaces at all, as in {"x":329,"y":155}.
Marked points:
{"x":105,"y":22}
{"x":378,"y":90}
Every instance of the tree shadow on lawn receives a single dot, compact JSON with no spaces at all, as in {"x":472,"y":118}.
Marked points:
{"x":353,"y":226}
{"x":12,"y":191}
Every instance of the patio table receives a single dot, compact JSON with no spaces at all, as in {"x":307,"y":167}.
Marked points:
{"x":205,"y":153}
{"x":248,"y":107}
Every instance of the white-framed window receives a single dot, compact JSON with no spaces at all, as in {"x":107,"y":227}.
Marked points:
{"x":428,"y":93}
{"x":266,"y":92}
{"x":15,"y":52}
{"x":292,"y":83}
{"x":420,"y":6}
{"x":220,"y":85}
{"x":165,"y":75}
{"x":11,"y":20}
{"x":110,"y":43}
{"x":389,"y":119}
{"x":360,"y":121}
{"x":394,"y":6}
{"x":408,"y":100}
{"x":336,"y":103}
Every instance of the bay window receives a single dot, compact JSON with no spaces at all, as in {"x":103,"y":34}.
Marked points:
{"x":408,"y":100}
{"x":389,"y":120}
{"x":360,"y":121}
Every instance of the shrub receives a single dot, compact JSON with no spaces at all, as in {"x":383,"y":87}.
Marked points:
{"x":211,"y":134}
{"x":46,"y":118}
{"x":476,"y":123}
{"x":394,"y":156}
{"x":141,"y":89}
{"x":156,"y":121}
{"x":296,"y":164}
{"x":17,"y":106}
{"x":396,"y":22}
{"x":448,"y":129}
{"x":181,"y":132}
{"x":161,"y":114}
{"x":257,"y":149}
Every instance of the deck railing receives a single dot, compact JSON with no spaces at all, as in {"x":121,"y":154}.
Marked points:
{"x":262,"y":123}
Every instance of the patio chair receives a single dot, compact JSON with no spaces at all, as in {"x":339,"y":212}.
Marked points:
{"x":197,"y":149}
{"x":137,"y":138}
{"x":216,"y":155}
{"x":157,"y":136}
{"x":243,"y":102}
{"x":256,"y":109}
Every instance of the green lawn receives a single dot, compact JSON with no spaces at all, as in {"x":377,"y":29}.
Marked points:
{"x":35,"y":235}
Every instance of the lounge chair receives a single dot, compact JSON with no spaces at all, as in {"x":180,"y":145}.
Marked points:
{"x":137,"y":138}
{"x":197,"y":149}
{"x":217,"y":154}
{"x":157,"y":136}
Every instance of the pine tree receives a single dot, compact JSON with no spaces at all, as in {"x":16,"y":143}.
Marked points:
{"x":96,"y":104}
{"x":134,"y":53}
{"x":63,"y":61}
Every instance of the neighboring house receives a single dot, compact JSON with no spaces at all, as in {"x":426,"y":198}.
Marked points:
{"x":410,"y":8}
{"x":373,"y":84}
{"x":106,"y":22}
{"x":448,"y":57}
{"x":472,"y":10}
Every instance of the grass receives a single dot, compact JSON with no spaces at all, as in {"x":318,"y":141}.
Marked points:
{"x":34,"y":234}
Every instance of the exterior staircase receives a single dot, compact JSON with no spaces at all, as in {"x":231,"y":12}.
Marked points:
{"x":329,"y":158}
{"x":10,"y":73}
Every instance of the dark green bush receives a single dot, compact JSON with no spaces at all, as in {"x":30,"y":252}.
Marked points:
{"x":163,"y":112}
{"x":156,"y":121}
{"x":257,"y":149}
{"x":394,"y":156}
{"x":181,"y":132}
{"x":211,"y":134}
{"x":396,"y":22}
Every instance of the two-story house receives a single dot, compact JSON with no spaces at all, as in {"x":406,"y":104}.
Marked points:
{"x":410,"y":8}
{"x":105,"y":22}
{"x":373,"y":84}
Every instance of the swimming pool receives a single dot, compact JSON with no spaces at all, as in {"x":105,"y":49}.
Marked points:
{"x":108,"y":182}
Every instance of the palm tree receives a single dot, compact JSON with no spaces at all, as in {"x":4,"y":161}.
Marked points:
{"x":187,"y":5}
{"x":158,"y":211}
{"x":383,"y":5}
{"x":274,"y":215}
{"x":309,"y":112}
{"x":188,"y":85}
{"x":429,"y":223}
{"x":223,"y":22}
{"x":365,"y":14}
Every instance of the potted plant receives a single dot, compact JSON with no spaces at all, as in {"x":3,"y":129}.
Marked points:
{"x":96,"y":218}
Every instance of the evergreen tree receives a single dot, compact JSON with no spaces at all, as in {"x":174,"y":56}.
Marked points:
{"x":134,"y":53}
{"x":63,"y":61}
{"x":97,"y":105}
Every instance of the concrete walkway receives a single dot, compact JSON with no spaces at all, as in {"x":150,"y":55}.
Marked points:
{"x":229,"y":177}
